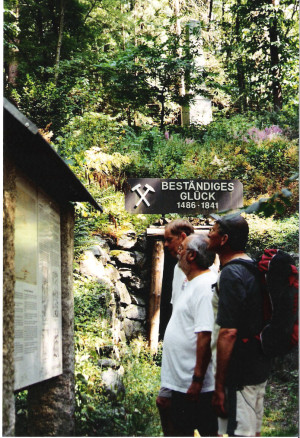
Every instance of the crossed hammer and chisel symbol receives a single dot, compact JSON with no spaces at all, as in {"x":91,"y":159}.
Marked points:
{"x":136,"y":188}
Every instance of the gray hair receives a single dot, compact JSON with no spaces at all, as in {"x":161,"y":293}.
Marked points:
{"x":204,"y":258}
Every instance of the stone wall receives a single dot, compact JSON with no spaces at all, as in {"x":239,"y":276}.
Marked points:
{"x":123,"y":266}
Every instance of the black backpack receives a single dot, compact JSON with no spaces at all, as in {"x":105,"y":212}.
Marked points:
{"x":279,"y":286}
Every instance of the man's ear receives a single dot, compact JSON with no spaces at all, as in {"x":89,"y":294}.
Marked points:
{"x":191,"y":256}
{"x":183,"y":236}
{"x":224,"y":239}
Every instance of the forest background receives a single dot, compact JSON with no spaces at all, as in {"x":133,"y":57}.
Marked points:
{"x":103,"y":80}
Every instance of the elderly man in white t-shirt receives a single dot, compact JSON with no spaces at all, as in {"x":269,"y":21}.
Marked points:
{"x":186,"y":365}
{"x":175,"y":233}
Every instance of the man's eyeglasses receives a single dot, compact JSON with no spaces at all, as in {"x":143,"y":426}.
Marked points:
{"x":181,"y":248}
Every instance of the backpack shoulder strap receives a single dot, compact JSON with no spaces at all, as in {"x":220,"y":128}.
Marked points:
{"x":251,"y":266}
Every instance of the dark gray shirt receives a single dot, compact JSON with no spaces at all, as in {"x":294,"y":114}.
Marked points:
{"x":241,"y":307}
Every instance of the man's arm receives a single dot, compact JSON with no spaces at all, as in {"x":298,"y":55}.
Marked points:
{"x":225,"y":344}
{"x":203,"y":356}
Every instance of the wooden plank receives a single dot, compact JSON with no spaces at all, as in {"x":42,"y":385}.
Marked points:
{"x":155,"y":294}
{"x":160,"y":231}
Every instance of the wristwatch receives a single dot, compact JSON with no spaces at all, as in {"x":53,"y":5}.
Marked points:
{"x":198,"y":379}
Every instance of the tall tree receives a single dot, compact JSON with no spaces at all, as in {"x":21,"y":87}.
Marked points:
{"x":59,"y":39}
{"x":11,"y":42}
{"x":257,"y":51}
{"x":275,"y":57}
{"x":118,"y":57}
{"x":240,"y":69}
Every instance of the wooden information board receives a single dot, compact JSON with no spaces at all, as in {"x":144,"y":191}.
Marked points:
{"x":38,"y":332}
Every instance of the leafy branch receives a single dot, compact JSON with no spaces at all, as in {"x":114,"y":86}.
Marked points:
{"x":276,"y":203}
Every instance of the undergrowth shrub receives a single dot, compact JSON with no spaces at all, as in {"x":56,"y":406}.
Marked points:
{"x":92,"y":332}
{"x":273,"y":233}
{"x":142,"y":382}
{"x":255,"y":148}
{"x":228,"y":129}
{"x":86,"y":131}
{"x":98,"y":412}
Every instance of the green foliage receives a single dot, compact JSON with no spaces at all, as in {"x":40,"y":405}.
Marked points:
{"x":258,"y":49}
{"x":279,"y":202}
{"x":21,"y":413}
{"x":104,"y":153}
{"x":125,"y":82}
{"x":82,"y":239}
{"x":231,"y":128}
{"x":98,"y":413}
{"x":287,"y":119}
{"x":10,"y":30}
{"x":97,"y":149}
{"x":261,"y":157}
{"x":142,"y":382}
{"x":152,"y":155}
{"x":41,"y":101}
{"x":123,"y":58}
{"x":273,"y":233}
{"x":134,"y":413}
{"x":83,"y":132}
{"x":91,"y":301}
{"x":92,"y":332}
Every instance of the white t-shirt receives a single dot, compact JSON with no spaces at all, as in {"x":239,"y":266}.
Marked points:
{"x":192,"y":313}
{"x":215,"y":333}
{"x":179,"y":277}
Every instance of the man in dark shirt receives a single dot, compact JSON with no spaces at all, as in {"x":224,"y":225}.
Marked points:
{"x":242,"y":368}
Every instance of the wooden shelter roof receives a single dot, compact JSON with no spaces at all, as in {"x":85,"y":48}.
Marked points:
{"x":36,"y":157}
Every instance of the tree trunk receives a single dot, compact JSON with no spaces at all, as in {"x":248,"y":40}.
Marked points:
{"x":275,"y":69}
{"x":129,"y":120}
{"x":223,"y":11}
{"x":60,"y":39}
{"x":13,"y":65}
{"x":242,"y":103}
{"x":40,"y":24}
{"x":176,"y":10}
{"x":177,"y":16}
{"x":13,"y":70}
{"x":210,"y":12}
{"x":122,"y":9}
{"x":162,"y":113}
{"x":155,"y":293}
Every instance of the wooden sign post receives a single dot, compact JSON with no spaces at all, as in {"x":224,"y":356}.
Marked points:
{"x":155,"y":293}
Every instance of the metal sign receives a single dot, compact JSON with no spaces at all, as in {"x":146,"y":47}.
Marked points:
{"x":186,"y":196}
